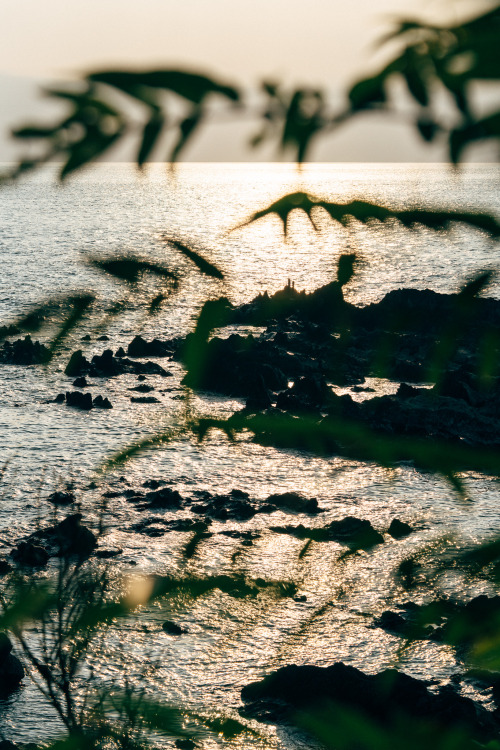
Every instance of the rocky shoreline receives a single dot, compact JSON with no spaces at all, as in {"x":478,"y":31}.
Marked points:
{"x":439,"y":350}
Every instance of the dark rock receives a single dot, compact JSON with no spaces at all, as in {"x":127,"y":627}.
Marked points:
{"x":144,"y":400}
{"x":356,"y":533}
{"x":294,"y":502}
{"x":103,"y":338}
{"x":5,"y":566}
{"x":142,"y":388}
{"x":409,"y":391}
{"x":399,"y":529}
{"x":87,"y":337}
{"x":77,"y":364}
{"x":29,"y":554}
{"x":153,"y":484}
{"x":79,"y":400}
{"x":226,"y":507}
{"x":393,"y":622}
{"x":105,"y":365}
{"x":59,"y":399}
{"x":182,"y":744}
{"x":11,"y":669}
{"x":9,"y":330}
{"x":107,"y":554}
{"x":120,"y":352}
{"x":24,"y":352}
{"x":141,"y":378}
{"x":102,"y":403}
{"x":8,"y":745}
{"x":138,"y":347}
{"x":61,"y":498}
{"x":80,"y":382}
{"x":171,"y":628}
{"x":385,"y":698}
{"x":67,"y":538}
{"x":164,"y":498}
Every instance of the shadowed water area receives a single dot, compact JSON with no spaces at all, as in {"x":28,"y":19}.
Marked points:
{"x":45,"y":230}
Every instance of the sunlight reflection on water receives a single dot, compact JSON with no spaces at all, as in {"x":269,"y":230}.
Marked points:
{"x":230,"y":642}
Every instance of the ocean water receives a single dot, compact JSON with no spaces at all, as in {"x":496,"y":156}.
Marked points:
{"x":46,"y":232}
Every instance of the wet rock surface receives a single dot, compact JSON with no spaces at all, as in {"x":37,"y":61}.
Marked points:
{"x":379,"y":697}
{"x":313,"y":341}
{"x":11,"y":669}
{"x":107,"y":365}
{"x":67,"y":538}
{"x":24,"y":352}
{"x":236,"y":505}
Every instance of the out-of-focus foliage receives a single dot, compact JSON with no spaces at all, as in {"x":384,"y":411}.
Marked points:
{"x":95,"y":122}
{"x":365,"y":212}
{"x":69,"y":612}
{"x":433,"y":60}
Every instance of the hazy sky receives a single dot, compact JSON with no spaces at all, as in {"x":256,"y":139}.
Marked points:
{"x":324,"y":42}
{"x":319,"y":40}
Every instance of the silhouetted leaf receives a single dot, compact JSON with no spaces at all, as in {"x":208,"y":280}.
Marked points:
{"x":186,"y":130}
{"x":366,"y":212}
{"x":150,"y":135}
{"x":345,"y":270}
{"x":200,"y":262}
{"x":33,"y":131}
{"x":130,"y":269}
{"x":78,"y":307}
{"x":191,"y":86}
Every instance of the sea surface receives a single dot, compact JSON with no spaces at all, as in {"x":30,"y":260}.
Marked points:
{"x":48,"y":232}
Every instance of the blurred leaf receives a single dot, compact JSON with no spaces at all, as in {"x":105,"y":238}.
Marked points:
{"x":130,"y":269}
{"x":191,"y":86}
{"x":200,"y":262}
{"x":78,"y":307}
{"x":150,"y":135}
{"x":186,"y":130}
{"x":156,"y":304}
{"x":302,"y":121}
{"x":366,"y":212}
{"x":136,"y":449}
{"x":32,"y":131}
{"x":345,"y":270}
{"x":480,"y":130}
